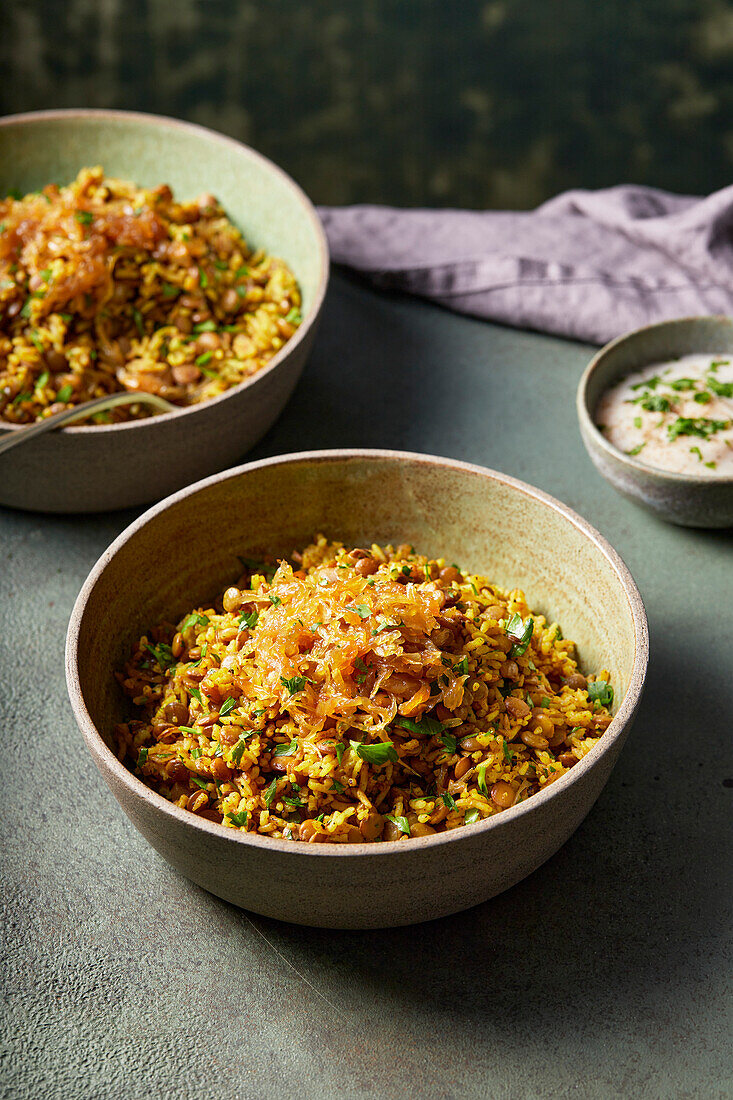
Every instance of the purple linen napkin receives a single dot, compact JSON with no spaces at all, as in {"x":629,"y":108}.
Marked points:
{"x":587,"y":264}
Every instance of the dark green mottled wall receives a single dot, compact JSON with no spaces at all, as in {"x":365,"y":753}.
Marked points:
{"x":495,"y":103}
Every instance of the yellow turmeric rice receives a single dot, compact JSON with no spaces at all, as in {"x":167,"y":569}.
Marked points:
{"x":357,"y":695}
{"x":106,"y":286}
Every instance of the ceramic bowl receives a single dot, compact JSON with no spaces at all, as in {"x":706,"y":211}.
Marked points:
{"x":686,"y":499}
{"x":168,"y":561}
{"x":101,"y":467}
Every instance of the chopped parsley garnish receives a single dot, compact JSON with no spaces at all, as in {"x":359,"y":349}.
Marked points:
{"x":378,"y":753}
{"x":241,"y":272}
{"x":471,"y":816}
{"x":401,"y":822}
{"x":337,"y":787}
{"x":142,"y":757}
{"x":205,"y":326}
{"x":194,"y":619}
{"x":286,"y":750}
{"x":196,"y":752}
{"x":425,"y":727}
{"x":199,"y":782}
{"x":449,"y":801}
{"x":340,"y":750}
{"x":170,"y":291}
{"x":652,"y":402}
{"x":683,"y":384}
{"x":449,"y":741}
{"x":202,"y":359}
{"x":42,"y":380}
{"x":545,"y":702}
{"x":21,"y":397}
{"x":248,"y":620}
{"x":138,"y":319}
{"x":203,"y":278}
{"x":363,"y":670}
{"x":507,"y":752}
{"x":481,"y":774}
{"x":294,"y":803}
{"x":699,"y":426}
{"x":221,"y":265}
{"x":637,"y":421}
{"x":650,"y":384}
{"x":84,"y":217}
{"x":361,"y":610}
{"x":461,"y":669}
{"x":294,"y":684}
{"x":722,"y":389}
{"x":293,"y":316}
{"x":696,"y":451}
{"x":637,"y":449}
{"x":600,"y":691}
{"x":240,"y":818}
{"x":227,"y":707}
{"x":240,"y":746}
{"x":274,"y":600}
{"x":162,"y":654}
{"x":703,"y":398}
{"x":65,"y":393}
{"x":516,"y":628}
{"x":270,"y":793}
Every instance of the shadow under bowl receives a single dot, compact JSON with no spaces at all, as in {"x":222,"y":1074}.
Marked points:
{"x":108,"y":466}
{"x":685,"y":499}
{"x":184,"y":552}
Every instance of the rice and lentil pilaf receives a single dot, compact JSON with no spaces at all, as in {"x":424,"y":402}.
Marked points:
{"x":357,"y":696}
{"x":106,"y":286}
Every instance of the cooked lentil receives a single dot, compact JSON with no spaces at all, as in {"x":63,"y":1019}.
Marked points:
{"x":325,"y":704}
{"x":106,"y":286}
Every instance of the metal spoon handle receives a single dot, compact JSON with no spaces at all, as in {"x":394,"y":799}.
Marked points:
{"x":80,"y":412}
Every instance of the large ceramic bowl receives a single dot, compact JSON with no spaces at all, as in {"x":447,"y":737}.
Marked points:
{"x":690,"y":500}
{"x":95,"y":468}
{"x":184,"y":551}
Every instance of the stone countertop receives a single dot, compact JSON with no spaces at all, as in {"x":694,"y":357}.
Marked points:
{"x":602,"y":974}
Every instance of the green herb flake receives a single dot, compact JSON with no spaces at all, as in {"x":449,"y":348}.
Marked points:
{"x":481,"y":775}
{"x":274,"y":600}
{"x":293,"y":316}
{"x":721,"y":389}
{"x":696,"y":451}
{"x":636,"y":450}
{"x":472,"y":815}
{"x":248,"y":620}
{"x":600,"y":691}
{"x":205,"y":326}
{"x":227,"y":706}
{"x":162,"y":654}
{"x":681,"y":384}
{"x":142,"y":757}
{"x":294,"y":803}
{"x":203,"y":279}
{"x":286,"y":750}
{"x":337,"y":787}
{"x":238,"y":750}
{"x":170,"y":291}
{"x":21,"y":397}
{"x":649,"y":384}
{"x":401,"y":822}
{"x":196,"y":695}
{"x":425,"y":727}
{"x":42,"y":380}
{"x":195,"y":753}
{"x":515,"y":628}
{"x":699,"y":426}
{"x":84,"y":217}
{"x":194,"y":619}
{"x":461,"y":669}
{"x":294,"y":684}
{"x":449,"y":801}
{"x":507,"y":752}
{"x":703,"y":398}
{"x":270,"y":793}
{"x":199,"y":782}
{"x":379,"y":753}
{"x":138,"y":319}
{"x":340,"y":750}
{"x":202,"y":359}
{"x":449,"y":742}
{"x":637,"y":421}
{"x":360,"y":609}
{"x":240,"y":818}
{"x":241,"y":272}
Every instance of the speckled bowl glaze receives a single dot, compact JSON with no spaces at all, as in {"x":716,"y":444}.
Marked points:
{"x":168,"y":561}
{"x":101,"y":467}
{"x":686,"y":499}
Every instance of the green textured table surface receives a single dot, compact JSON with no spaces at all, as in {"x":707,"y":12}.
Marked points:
{"x":605,"y":973}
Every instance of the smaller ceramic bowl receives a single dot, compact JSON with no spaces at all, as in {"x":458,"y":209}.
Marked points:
{"x":686,"y":499}
{"x":93,"y":468}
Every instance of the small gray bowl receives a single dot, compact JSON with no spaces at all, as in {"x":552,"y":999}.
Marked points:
{"x":686,"y":499}
{"x":106,"y":466}
{"x":185,"y":549}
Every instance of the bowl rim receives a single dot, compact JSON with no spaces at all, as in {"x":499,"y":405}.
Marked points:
{"x":308,"y":211}
{"x":104,"y":755}
{"x":593,"y":433}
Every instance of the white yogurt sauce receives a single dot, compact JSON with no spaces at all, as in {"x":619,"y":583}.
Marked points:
{"x":676,"y":415}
